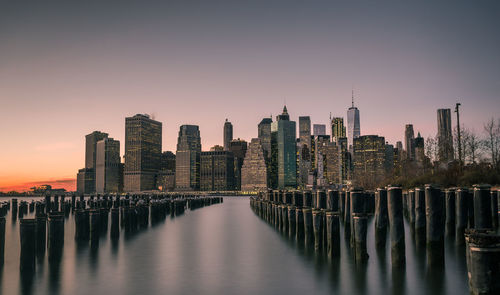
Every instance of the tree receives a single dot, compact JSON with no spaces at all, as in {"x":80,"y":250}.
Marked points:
{"x":492,"y":140}
{"x":472,"y":146}
{"x":463,"y":136}
{"x":431,"y":149}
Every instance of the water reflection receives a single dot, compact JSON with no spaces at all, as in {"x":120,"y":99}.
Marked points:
{"x":226,"y":249}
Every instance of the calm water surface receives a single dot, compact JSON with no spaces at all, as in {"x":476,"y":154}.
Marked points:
{"x":223,"y":249}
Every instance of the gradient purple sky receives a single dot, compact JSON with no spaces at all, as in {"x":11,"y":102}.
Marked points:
{"x":67,"y":69}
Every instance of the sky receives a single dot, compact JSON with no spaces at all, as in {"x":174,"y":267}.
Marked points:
{"x":68,"y":68}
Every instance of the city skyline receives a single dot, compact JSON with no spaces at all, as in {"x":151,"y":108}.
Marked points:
{"x":57,"y":87}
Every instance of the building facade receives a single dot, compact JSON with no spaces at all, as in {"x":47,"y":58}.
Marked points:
{"x":187,"y":161}
{"x":108,"y":166}
{"x":337,"y":128}
{"x":284,"y":157}
{"x":444,"y":136}
{"x":143,"y":139}
{"x":254,"y":169}
{"x":353,"y":127}
{"x":217,"y":171}
{"x":85,"y":181}
{"x":239,"y":148}
{"x":409,"y":142}
{"x":369,"y":161}
{"x":228,"y":134}
{"x":304,"y":150}
{"x":319,"y":129}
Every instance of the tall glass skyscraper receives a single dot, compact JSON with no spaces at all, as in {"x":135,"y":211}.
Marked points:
{"x":187,"y":161}
{"x":108,"y":166}
{"x":142,"y":153}
{"x":353,"y":128}
{"x":338,"y":128}
{"x":283,"y":155}
{"x":264,"y":134}
{"x":228,"y":134}
{"x":445,"y":137}
{"x":409,"y":142}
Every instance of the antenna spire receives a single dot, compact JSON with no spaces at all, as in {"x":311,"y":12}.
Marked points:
{"x":353,"y":97}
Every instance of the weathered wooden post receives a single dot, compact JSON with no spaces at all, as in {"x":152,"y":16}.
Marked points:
{"x":41,"y":234}
{"x":308,"y":226}
{"x":359,"y":223}
{"x":332,"y":203}
{"x":482,"y":206}
{"x":494,"y":209}
{"x":450,"y":212}
{"x":318,"y":229}
{"x":381,"y":217}
{"x":420,"y":219}
{"x":56,"y":235}
{"x":2,"y":240}
{"x":395,"y":212}
{"x":299,"y":223}
{"x":483,"y":261}
{"x":333,"y":233}
{"x":115,"y":226}
{"x":434,"y":207}
{"x":461,"y":214}
{"x":28,"y":246}
{"x":320,"y":199}
{"x":291,"y":221}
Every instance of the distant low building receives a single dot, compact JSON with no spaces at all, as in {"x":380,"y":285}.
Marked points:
{"x":85,"y":181}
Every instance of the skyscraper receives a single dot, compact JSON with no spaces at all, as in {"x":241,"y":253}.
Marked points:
{"x":86,"y":177}
{"x":264,"y":134}
{"x":187,"y":161}
{"x":305,"y":131}
{"x":409,"y":142}
{"x":283,"y":145}
{"x":217,"y":171}
{"x":419,"y":149}
{"x":108,"y":166}
{"x":166,"y":176}
{"x":228,"y":134}
{"x":142,"y":153}
{"x":90,"y":147}
{"x":319,"y":129}
{"x":353,"y":128}
{"x":239,"y":148}
{"x":369,"y":157}
{"x":304,"y":150}
{"x":445,"y":137}
{"x":337,"y":128}
{"x":254,"y":170}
